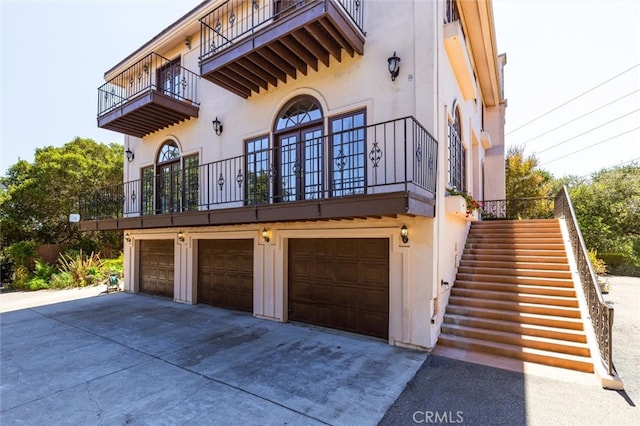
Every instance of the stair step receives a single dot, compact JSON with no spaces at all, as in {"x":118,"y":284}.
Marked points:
{"x":522,"y":307}
{"x":463,"y":269}
{"x":577,"y":336}
{"x":554,"y":359}
{"x":507,"y":233}
{"x":502,"y":224}
{"x":525,"y":341}
{"x":490,"y":296}
{"x":510,"y":257}
{"x":512,"y":239}
{"x":536,"y":252}
{"x":517,"y":288}
{"x":515,"y":279}
{"x":516,"y":317}
{"x":480,"y":245}
{"x":514,"y":265}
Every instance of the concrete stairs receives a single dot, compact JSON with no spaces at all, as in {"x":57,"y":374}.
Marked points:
{"x":514,"y":297}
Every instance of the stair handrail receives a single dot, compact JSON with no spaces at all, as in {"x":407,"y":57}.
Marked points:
{"x":600,"y":312}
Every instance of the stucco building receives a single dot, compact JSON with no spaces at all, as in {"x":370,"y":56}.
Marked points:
{"x":292,"y":158}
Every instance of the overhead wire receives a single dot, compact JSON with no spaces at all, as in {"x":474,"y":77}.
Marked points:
{"x":578,"y":118}
{"x":591,"y":146}
{"x":573,"y":99}
{"x":588,"y":131}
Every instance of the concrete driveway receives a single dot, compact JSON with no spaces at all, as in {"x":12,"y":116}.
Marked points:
{"x":136,"y":359}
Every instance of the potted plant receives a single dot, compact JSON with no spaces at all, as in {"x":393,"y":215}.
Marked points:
{"x":461,"y":203}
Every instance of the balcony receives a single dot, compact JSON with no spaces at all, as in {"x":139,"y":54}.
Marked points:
{"x":383,"y":169}
{"x":249,"y":45}
{"x":152,"y":94}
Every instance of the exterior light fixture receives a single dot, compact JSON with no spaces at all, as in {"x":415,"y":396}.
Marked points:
{"x":217,"y":126}
{"x":127,"y":237}
{"x":187,"y":42}
{"x":394,"y":66}
{"x":129,"y":155}
{"x":181,"y":236}
{"x":265,"y":235}
{"x":404,"y":234}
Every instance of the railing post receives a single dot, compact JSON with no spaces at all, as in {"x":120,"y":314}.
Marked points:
{"x":406,"y":156}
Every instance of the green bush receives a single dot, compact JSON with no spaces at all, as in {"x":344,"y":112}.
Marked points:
{"x":24,"y":254}
{"x":61,"y":280}
{"x":43,"y":270}
{"x":21,"y":278}
{"x":113,"y":265}
{"x":36,"y":283}
{"x":616,"y":260}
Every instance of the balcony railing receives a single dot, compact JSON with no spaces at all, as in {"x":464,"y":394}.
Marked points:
{"x":393,"y":156}
{"x":517,"y":208}
{"x":152,"y":94}
{"x":153,"y":72}
{"x":235,"y":19}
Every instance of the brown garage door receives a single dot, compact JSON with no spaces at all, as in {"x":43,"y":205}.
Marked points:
{"x":225,"y":273}
{"x":156,"y":267}
{"x":340,"y":283}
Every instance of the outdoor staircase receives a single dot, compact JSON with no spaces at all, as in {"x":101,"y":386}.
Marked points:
{"x":514,"y":297}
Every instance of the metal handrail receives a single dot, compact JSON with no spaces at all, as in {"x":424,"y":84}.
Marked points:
{"x":152,"y":72}
{"x":234,"y":19}
{"x":600,"y":312}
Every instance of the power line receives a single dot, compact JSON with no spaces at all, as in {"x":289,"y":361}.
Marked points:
{"x":591,"y":146}
{"x":573,"y":99}
{"x":612,"y":167}
{"x":588,"y":131}
{"x":578,"y":118}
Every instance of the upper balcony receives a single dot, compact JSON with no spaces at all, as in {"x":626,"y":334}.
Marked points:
{"x":248,"y":45}
{"x":150,"y":95}
{"x":383,"y":169}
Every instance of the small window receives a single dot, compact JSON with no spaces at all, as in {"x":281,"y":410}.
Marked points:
{"x":168,"y":152}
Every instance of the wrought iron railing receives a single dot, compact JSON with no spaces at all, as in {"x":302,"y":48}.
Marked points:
{"x":153,"y":72}
{"x":396,"y":155}
{"x":517,"y":208}
{"x":235,"y":19}
{"x":451,"y":11}
{"x":600,"y":312}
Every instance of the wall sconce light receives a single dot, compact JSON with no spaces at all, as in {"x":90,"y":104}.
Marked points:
{"x":394,"y":66}
{"x":145,"y":68}
{"x":127,"y":237}
{"x":217,"y":126}
{"x":404,"y":234}
{"x":129,"y":155}
{"x":187,"y":42}
{"x":265,"y":235}
{"x":181,"y":236}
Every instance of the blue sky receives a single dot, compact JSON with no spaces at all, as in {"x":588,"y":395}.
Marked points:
{"x":54,"y":54}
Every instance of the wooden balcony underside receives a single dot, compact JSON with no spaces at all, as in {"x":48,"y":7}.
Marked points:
{"x":293,"y":43}
{"x":388,"y":204}
{"x":147,"y":113}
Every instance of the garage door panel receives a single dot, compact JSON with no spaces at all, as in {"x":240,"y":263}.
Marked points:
{"x":225,"y":273}
{"x":340,"y":283}
{"x":156,"y":267}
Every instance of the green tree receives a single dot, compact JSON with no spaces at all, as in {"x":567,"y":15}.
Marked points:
{"x":608,"y":211}
{"x":524,"y":180}
{"x":38,"y":197}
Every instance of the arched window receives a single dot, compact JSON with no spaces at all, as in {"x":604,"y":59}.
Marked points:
{"x":173,"y":180}
{"x":456,"y":172}
{"x":298,"y":136}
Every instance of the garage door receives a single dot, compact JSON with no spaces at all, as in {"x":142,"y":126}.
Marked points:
{"x":156,"y":267}
{"x":340,"y":283}
{"x":225,"y":273}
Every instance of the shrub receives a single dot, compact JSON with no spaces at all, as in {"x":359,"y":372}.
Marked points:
{"x":61,"y":280}
{"x":21,"y":278}
{"x":81,"y":268}
{"x":616,"y":260}
{"x":43,"y":270}
{"x":599,"y":265}
{"x":24,"y":254}
{"x":113,"y":265}
{"x":37,"y":283}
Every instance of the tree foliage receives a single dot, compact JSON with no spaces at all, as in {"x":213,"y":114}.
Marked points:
{"x":608,"y":211}
{"x":525,"y":180}
{"x":37,"y":198}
